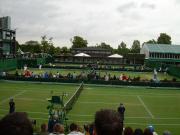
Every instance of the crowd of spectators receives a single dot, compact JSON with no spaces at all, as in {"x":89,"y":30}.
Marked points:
{"x":106,"y":122}
{"x":88,"y":75}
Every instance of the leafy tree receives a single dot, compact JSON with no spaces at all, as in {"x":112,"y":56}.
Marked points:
{"x":57,"y":51}
{"x":105,"y":46}
{"x":45,"y":44}
{"x":64,"y":50}
{"x":31,"y":46}
{"x":164,"y":39}
{"x":135,"y":47}
{"x":122,"y":49}
{"x":78,"y":42}
{"x":152,"y":41}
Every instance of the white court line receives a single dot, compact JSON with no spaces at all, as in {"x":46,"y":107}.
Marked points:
{"x":27,"y":111}
{"x":31,"y":99}
{"x":145,"y":94}
{"x":146,"y":108}
{"x":16,"y":95}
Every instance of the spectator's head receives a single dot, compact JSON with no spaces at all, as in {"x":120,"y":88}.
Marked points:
{"x":86,"y":128}
{"x":44,"y":127}
{"x":108,"y":122}
{"x":151,"y":128}
{"x":79,"y":129}
{"x":58,"y":128}
{"x":166,"y":133}
{"x":73,"y":127}
{"x":16,"y":124}
{"x":138,"y":131}
{"x":147,"y":131}
{"x":128,"y":131}
{"x":11,"y":100}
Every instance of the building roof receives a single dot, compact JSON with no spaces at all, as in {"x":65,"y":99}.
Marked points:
{"x":115,"y":56}
{"x":82,"y":55}
{"x":163,"y":48}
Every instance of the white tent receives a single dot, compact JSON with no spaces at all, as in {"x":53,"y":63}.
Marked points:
{"x":82,"y":55}
{"x":115,"y":56}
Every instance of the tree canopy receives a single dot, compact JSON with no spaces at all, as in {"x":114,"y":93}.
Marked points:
{"x":104,"y":46}
{"x":164,"y":39}
{"x":122,"y":48}
{"x":78,"y":42}
{"x":136,"y":46}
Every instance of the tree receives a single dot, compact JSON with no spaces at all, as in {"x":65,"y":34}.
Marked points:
{"x":105,"y":46}
{"x":122,"y":49}
{"x":45,"y":44}
{"x":64,"y":50}
{"x":57,"y":51}
{"x":135,"y":47}
{"x":31,"y":46}
{"x":78,"y":42}
{"x":164,"y":39}
{"x":152,"y":41}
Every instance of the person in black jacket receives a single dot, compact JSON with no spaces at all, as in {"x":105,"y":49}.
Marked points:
{"x":121,"y":110}
{"x":11,"y":106}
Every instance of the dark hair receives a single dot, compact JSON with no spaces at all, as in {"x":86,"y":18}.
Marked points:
{"x":44,"y":127}
{"x":138,"y":131}
{"x":86,"y":128}
{"x":73,"y":127}
{"x":107,"y":122}
{"x":128,"y":131}
{"x":16,"y":124}
{"x":147,"y":131}
{"x":58,"y":128}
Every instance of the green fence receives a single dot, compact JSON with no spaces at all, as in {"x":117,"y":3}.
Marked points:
{"x":34,"y":62}
{"x":8,"y":64}
{"x":175,"y":71}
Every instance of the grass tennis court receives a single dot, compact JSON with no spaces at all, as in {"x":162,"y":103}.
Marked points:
{"x":157,"y":106}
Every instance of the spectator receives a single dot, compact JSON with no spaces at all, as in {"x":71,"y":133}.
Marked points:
{"x":128,"y":131}
{"x":16,"y":124}
{"x":86,"y":130}
{"x":74,"y":75}
{"x":16,"y":73}
{"x":114,"y":77}
{"x":44,"y":129}
{"x":91,"y":127}
{"x":106,"y":77}
{"x":138,"y":131}
{"x":107,"y":123}
{"x":51,"y":123}
{"x":147,"y":131}
{"x":151,"y":128}
{"x":121,"y":110}
{"x":80,"y":130}
{"x":58,"y":129}
{"x":11,"y":106}
{"x":166,"y":133}
{"x":73,"y":129}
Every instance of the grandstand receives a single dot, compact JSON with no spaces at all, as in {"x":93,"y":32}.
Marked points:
{"x":161,"y":54}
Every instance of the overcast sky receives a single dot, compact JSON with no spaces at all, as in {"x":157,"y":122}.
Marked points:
{"x":110,"y":21}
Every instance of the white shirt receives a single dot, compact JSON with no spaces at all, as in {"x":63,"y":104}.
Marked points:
{"x":74,"y":133}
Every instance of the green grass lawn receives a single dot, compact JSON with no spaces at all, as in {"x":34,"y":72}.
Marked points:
{"x":142,"y":75}
{"x":144,"y":106}
{"x":31,"y":98}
